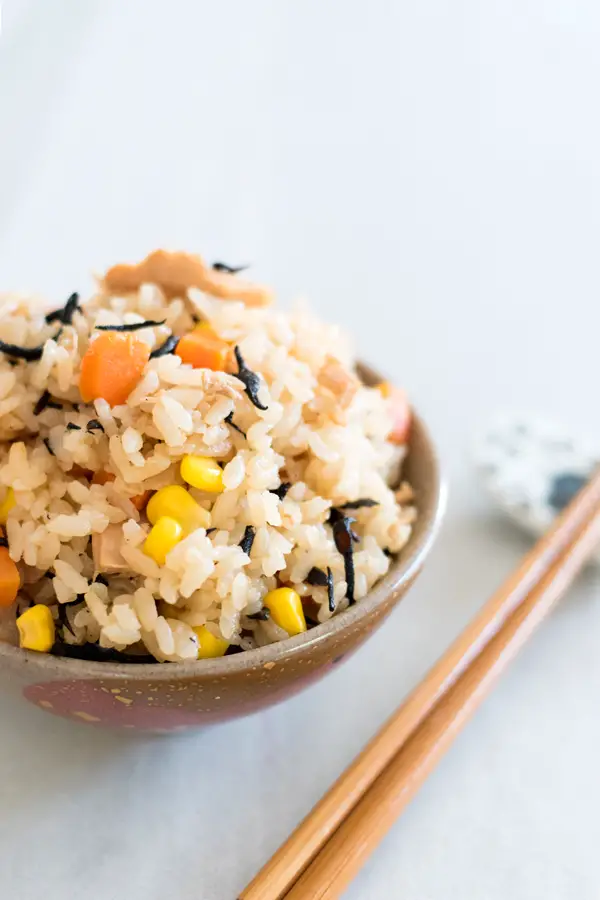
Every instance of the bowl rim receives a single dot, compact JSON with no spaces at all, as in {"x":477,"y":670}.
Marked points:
{"x":400,"y":573}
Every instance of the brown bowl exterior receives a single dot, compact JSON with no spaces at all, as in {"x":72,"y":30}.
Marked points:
{"x":177,"y":696}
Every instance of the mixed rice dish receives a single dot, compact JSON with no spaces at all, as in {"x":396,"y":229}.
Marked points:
{"x":186,"y":472}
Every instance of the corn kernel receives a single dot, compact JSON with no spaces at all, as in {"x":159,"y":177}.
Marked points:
{"x":174,"y":501}
{"x":36,"y":629}
{"x":286,"y":609}
{"x":203,"y":473}
{"x":6,"y":505}
{"x":162,"y":538}
{"x":209,"y":646}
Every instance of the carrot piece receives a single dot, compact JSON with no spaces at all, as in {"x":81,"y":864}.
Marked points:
{"x":401,"y":412}
{"x":112,"y":367}
{"x":10,"y":580}
{"x":77,"y":471}
{"x":102,"y":477}
{"x":203,"y":349}
{"x":140,"y":500}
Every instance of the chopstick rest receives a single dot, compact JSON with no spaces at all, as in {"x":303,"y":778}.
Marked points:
{"x":532,"y":468}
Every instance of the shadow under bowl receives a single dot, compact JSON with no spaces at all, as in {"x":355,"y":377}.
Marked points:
{"x":177,"y":696}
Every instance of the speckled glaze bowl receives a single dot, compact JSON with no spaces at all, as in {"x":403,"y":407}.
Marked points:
{"x":178,"y":696}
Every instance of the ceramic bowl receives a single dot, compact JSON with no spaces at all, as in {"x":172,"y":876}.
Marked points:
{"x":177,"y":696}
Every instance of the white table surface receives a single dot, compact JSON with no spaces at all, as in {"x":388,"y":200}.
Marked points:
{"x":430,"y":173}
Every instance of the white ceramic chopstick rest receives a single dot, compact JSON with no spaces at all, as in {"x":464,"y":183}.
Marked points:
{"x":532,"y":467}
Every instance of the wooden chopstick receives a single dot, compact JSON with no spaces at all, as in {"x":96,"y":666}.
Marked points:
{"x":293,"y":857}
{"x":361,"y":831}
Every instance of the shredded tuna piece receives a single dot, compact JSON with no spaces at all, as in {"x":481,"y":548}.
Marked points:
{"x":174,"y":273}
{"x":214,"y":383}
{"x":335,"y":379}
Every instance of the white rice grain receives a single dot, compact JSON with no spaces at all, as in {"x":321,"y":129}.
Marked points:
{"x":234,"y":472}
{"x":71,"y":577}
{"x":66,"y":526}
{"x":164,"y":636}
{"x":132,"y":441}
{"x":145,"y":607}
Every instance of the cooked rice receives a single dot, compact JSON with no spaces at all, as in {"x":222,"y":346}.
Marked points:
{"x":322,"y":431}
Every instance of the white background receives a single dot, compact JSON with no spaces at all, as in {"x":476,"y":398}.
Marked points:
{"x":430,"y":174}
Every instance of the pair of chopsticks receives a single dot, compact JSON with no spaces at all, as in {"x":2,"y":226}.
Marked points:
{"x":330,"y":846}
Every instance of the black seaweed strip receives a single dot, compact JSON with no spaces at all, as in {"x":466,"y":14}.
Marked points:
{"x":48,"y":446}
{"x":363,"y":503}
{"x":131,"y":326}
{"x":100,"y":579}
{"x":249,"y":379}
{"x":63,"y":621}
{"x":168,"y":347}
{"x":316,"y":577}
{"x":94,"y":425}
{"x":229,"y":420}
{"x":3,"y":541}
{"x":330,"y":596}
{"x":42,"y":403}
{"x":45,"y":402}
{"x":282,"y":490}
{"x":29,"y":354}
{"x":62,"y":612}
{"x":349,"y":574}
{"x":95,"y":653}
{"x":71,"y":426}
{"x":248,"y":539}
{"x":210,"y":530}
{"x":231,"y":270}
{"x":343,"y":537}
{"x":262,"y":615}
{"x":334,"y":515}
{"x":65,"y":313}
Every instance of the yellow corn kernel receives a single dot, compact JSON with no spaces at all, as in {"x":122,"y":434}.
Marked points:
{"x":203,"y":473}
{"x":36,"y":629}
{"x":6,"y":505}
{"x":209,"y":646}
{"x":162,"y":538}
{"x":174,"y":501}
{"x":286,"y":609}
